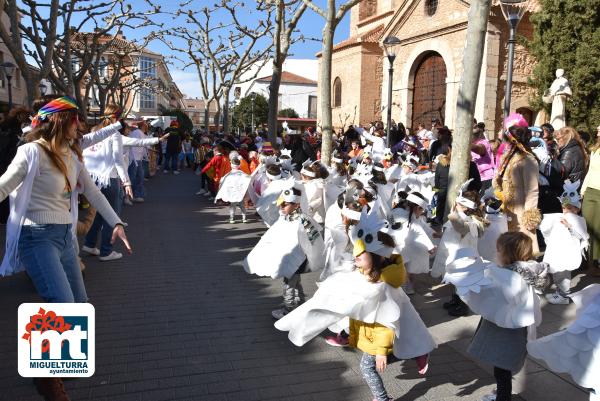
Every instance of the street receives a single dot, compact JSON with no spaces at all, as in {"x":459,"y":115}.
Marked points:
{"x":181,"y":320}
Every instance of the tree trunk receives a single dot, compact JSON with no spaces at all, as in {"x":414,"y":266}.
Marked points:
{"x":274,"y":100}
{"x":325,"y":76}
{"x":206,"y":119}
{"x":226,"y":110}
{"x":218,"y":118}
{"x":467,"y":95}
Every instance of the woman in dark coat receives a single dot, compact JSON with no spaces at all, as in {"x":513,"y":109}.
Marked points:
{"x":572,"y":155}
{"x":301,"y":151}
{"x":442,"y":171}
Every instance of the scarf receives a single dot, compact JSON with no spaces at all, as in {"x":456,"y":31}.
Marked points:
{"x":534,"y":273}
{"x":55,"y":106}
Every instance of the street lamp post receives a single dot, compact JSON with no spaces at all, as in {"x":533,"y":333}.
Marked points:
{"x":253,"y":98}
{"x":9,"y":71}
{"x":513,"y":11}
{"x":390,"y":45}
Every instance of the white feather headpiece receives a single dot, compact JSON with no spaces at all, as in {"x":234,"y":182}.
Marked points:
{"x":286,"y":152}
{"x":461,"y":200}
{"x":570,"y":195}
{"x":305,"y":170}
{"x":287,"y":195}
{"x":364,"y":235}
{"x":411,"y":161}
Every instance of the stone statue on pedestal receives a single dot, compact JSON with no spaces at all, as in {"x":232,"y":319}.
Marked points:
{"x":558,"y":95}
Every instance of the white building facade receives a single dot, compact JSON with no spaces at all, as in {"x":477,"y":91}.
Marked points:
{"x":295,"y":92}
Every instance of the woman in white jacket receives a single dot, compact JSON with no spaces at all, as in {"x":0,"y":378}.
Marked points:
{"x":43,"y":181}
{"x":106,"y":165}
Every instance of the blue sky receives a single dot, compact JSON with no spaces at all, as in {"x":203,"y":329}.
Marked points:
{"x":310,"y":25}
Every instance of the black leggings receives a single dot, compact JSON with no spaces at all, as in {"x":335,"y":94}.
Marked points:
{"x":503,"y":384}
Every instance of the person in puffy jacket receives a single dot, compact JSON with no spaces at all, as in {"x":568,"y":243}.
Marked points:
{"x":572,"y":155}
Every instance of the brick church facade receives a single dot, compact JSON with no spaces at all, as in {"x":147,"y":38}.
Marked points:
{"x":428,"y":66}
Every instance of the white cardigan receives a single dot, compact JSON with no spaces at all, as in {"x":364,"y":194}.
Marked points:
{"x":104,"y":161}
{"x":20,"y":198}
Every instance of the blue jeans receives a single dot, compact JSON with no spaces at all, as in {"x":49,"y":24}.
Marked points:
{"x":146,"y":168}
{"x":112,"y":195}
{"x":48,"y":254}
{"x":173,"y":159}
{"x":136,"y":175}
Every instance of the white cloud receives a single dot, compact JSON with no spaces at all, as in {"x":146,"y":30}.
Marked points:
{"x":187,"y":82}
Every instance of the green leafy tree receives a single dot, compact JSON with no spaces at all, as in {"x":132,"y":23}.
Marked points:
{"x":567,"y":35}
{"x":288,"y":113}
{"x":185,"y":123}
{"x":242,"y":113}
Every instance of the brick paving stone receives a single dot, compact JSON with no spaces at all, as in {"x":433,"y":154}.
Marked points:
{"x":181,"y":320}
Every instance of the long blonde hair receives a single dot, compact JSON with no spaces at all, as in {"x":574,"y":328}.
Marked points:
{"x":54,"y":132}
{"x":571,"y":134}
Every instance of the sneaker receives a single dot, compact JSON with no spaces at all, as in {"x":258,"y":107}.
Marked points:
{"x":279,"y":313}
{"x":489,"y":397}
{"x":176,"y":172}
{"x":452,"y":303}
{"x":244,"y":219}
{"x":165,"y":171}
{"x":127,"y":201}
{"x":207,"y":193}
{"x":201,"y":192}
{"x":211,"y":198}
{"x":408,"y":288}
{"x":138,"y":200}
{"x":557,"y":299}
{"x":422,"y":363}
{"x":337,"y":341}
{"x":91,"y":251}
{"x":111,"y":256}
{"x":459,"y":310}
{"x":231,"y":221}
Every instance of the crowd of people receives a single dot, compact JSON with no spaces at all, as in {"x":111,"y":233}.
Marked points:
{"x":369,"y":222}
{"x":375,"y":218}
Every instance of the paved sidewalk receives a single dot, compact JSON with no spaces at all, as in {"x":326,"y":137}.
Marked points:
{"x":181,"y":320}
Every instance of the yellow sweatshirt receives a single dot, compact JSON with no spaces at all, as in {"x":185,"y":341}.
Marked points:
{"x":374,"y":338}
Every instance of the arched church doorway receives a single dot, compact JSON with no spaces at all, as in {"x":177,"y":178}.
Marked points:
{"x":527,"y":113}
{"x":429,"y":90}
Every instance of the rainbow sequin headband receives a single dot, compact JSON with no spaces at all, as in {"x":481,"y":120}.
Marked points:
{"x":54,"y":106}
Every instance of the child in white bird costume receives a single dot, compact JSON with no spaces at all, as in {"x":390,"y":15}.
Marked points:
{"x":313,"y":201}
{"x":576,"y":349}
{"x":505,"y":297}
{"x":566,"y":239}
{"x":498,"y":225}
{"x":463,"y":229}
{"x":233,"y":188}
{"x":290,"y":247}
{"x":383,"y":322}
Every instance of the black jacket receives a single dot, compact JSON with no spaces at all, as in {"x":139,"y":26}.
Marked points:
{"x":442,"y":171}
{"x":301,"y":152}
{"x":173,"y":141}
{"x":572,"y":161}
